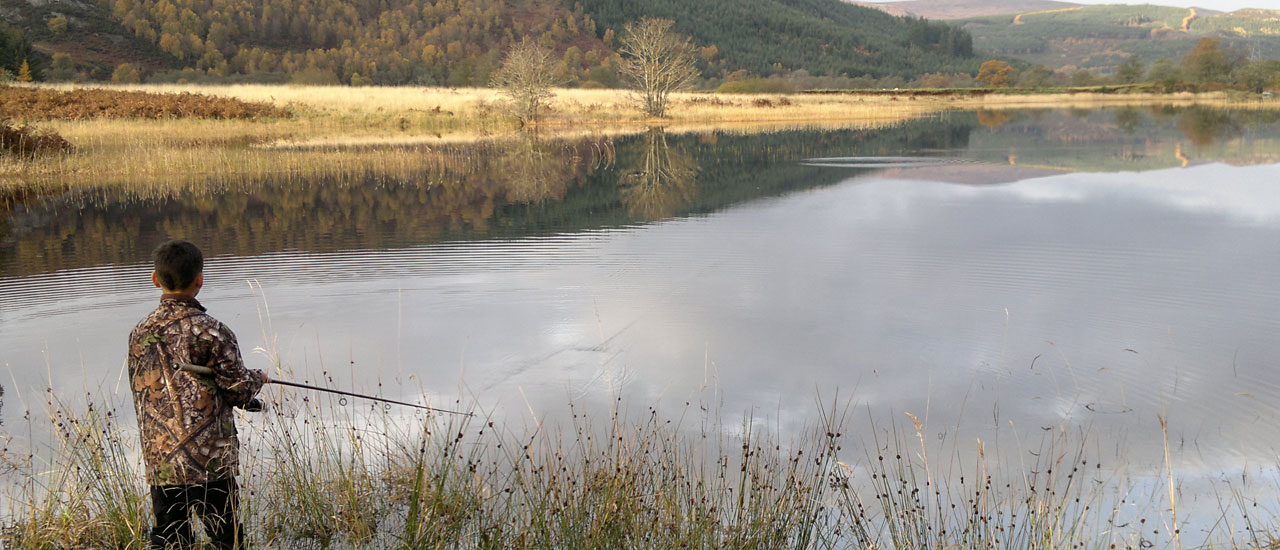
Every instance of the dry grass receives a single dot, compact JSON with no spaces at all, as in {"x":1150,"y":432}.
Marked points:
{"x":377,"y":105}
{"x":618,"y":106}
{"x":329,"y":122}
{"x":321,"y":475}
{"x":208,"y":162}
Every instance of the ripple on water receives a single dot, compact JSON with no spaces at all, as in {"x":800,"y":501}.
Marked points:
{"x":63,"y":291}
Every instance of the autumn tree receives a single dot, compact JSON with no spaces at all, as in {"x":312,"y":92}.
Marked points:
{"x":126,"y":73}
{"x":57,"y":25}
{"x":1257,"y":76}
{"x":1038,"y":76}
{"x":1130,"y":71}
{"x":995,"y":74}
{"x":24,"y":72}
{"x":526,"y":77}
{"x":1083,"y":78}
{"x":62,"y":69}
{"x":656,"y":62}
{"x":1166,"y":73}
{"x":1209,"y":62}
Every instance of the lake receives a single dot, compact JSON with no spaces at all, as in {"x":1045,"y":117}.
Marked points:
{"x":1000,"y":275}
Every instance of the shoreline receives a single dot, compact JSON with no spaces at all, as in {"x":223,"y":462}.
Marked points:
{"x":328,"y":121}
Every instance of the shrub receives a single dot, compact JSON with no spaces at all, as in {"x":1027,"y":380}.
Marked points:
{"x":46,"y":104}
{"x":24,"y":141}
{"x":772,"y":85}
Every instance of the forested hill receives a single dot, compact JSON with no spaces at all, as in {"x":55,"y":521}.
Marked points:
{"x":460,"y":42}
{"x":821,"y":36}
{"x":1101,"y":37}
{"x":961,"y":9}
{"x":14,"y":50}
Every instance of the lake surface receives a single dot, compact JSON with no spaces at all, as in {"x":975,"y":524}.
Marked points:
{"x":1000,"y":275}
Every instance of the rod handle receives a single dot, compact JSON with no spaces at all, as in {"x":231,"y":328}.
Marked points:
{"x":254,"y":405}
{"x":193,"y":369}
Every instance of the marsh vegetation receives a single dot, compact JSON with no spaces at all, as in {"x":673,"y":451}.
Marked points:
{"x":184,"y":133}
{"x":322,"y":475}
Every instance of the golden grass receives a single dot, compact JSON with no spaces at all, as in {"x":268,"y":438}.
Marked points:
{"x":371,"y":110}
{"x":328,"y":123}
{"x":618,"y":106}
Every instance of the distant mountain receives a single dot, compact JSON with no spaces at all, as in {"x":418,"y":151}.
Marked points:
{"x":461,"y":42}
{"x":962,"y":9}
{"x":1257,"y":14}
{"x":1100,"y":37}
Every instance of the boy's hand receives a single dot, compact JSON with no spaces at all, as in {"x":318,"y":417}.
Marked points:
{"x":254,"y":405}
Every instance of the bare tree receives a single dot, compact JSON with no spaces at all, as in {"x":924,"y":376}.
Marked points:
{"x":657,"y":62}
{"x":526,"y":77}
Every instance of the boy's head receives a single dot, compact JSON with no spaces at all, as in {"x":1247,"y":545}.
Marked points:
{"x":179,"y":266}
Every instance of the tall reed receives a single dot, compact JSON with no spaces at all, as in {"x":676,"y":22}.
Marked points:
{"x":85,"y":492}
{"x":318,"y":474}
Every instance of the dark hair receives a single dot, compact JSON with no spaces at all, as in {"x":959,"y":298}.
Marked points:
{"x":178,"y":262}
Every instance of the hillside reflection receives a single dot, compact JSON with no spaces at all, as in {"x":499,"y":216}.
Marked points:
{"x":499,"y":189}
{"x":1126,"y":139}
{"x":505,"y":189}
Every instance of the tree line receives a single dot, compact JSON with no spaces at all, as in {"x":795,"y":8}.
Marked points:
{"x":461,"y":42}
{"x":1211,"y":65}
{"x":826,"y":37}
{"x":18,"y":61}
{"x":428,"y":42}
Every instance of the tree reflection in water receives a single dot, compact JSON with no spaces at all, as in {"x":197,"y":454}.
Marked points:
{"x":513,"y":188}
{"x":661,"y":182}
{"x":1208,"y":126}
{"x":536,"y":170}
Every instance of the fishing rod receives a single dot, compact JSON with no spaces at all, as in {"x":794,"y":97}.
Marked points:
{"x":202,"y":370}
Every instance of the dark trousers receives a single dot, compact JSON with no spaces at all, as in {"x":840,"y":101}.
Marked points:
{"x":215,"y":502}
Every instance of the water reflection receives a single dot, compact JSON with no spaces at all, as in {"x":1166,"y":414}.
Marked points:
{"x":992,"y":119}
{"x":499,"y":189}
{"x":1125,"y":139}
{"x":1129,"y":120}
{"x":530,"y":186}
{"x":454,"y":192}
{"x":1206,"y":126}
{"x":1079,"y":279}
{"x":537,"y":170}
{"x":660,"y":181}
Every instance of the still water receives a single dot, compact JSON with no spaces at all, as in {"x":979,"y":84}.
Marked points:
{"x":997,"y":274}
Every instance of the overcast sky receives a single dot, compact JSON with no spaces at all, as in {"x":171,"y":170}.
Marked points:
{"x":1220,"y":5}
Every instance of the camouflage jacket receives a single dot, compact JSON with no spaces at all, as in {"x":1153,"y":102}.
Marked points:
{"x":187,"y":426}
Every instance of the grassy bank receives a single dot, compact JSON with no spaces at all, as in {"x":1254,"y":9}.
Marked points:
{"x":320,"y":476}
{"x":313,"y":129}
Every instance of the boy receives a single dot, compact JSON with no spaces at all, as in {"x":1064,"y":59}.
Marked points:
{"x":187,"y":426}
